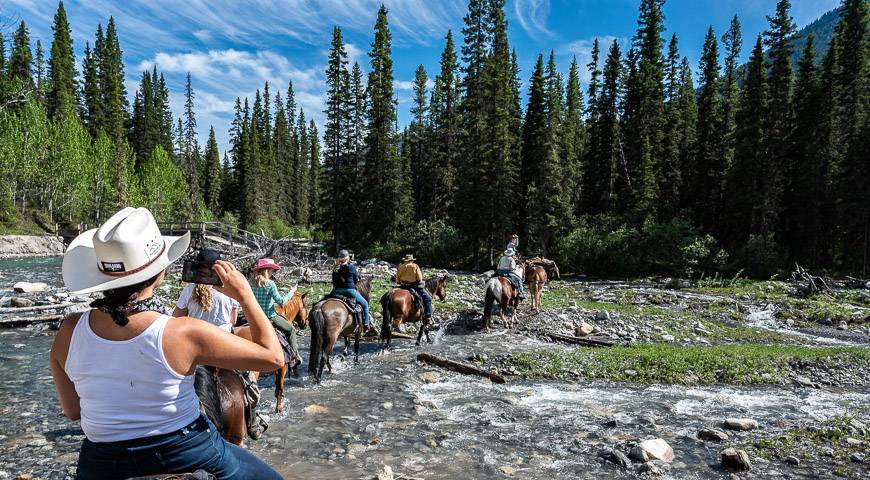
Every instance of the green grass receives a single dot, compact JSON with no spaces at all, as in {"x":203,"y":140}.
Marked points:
{"x":671,"y":364}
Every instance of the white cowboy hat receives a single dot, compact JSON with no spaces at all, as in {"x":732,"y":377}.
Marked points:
{"x":126,"y":250}
{"x":510,"y":252}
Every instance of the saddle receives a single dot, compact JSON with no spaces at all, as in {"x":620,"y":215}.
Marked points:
{"x":351,"y":304}
{"x":415,"y":297}
{"x":511,"y":278}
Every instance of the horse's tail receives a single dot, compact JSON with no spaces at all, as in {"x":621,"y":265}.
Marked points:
{"x":205,"y":383}
{"x":317,"y":336}
{"x":386,"y":305}
{"x":493,"y":292}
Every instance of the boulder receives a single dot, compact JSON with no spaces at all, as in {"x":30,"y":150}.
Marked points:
{"x":430,"y":377}
{"x":740,"y":424}
{"x":638,"y":454}
{"x":615,"y":456}
{"x":602,"y":316}
{"x":385,"y":474}
{"x":315,"y":409}
{"x":668,"y":338}
{"x":658,"y":449}
{"x":712,"y":435}
{"x":857,"y":457}
{"x":583,"y":329}
{"x":735,"y":460}
{"x":19,"y":302}
{"x":30,"y":287}
{"x":792,"y":460}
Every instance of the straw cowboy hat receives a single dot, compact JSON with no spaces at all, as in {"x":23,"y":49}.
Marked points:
{"x":510,"y":252}
{"x":267,"y":263}
{"x":127,"y":249}
{"x":409,"y":258}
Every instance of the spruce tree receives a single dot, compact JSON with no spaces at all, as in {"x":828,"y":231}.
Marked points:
{"x":113,"y":111}
{"x":144,"y":131}
{"x":2,"y":59}
{"x":334,"y":137}
{"x":594,"y":78}
{"x":389,"y":199}
{"x":704,"y":181}
{"x":418,"y":138}
{"x":573,"y":134}
{"x":743,"y":203}
{"x":679,"y":137}
{"x":162,"y":111}
{"x":212,"y":192}
{"x":446,"y":133}
{"x":21,"y":58}
{"x":91,"y":96}
{"x":779,"y":40}
{"x":314,"y":172}
{"x":39,"y":72}
{"x":61,"y":99}
{"x":304,"y":157}
{"x":732,"y":42}
{"x":190,"y":149}
{"x":286,"y":162}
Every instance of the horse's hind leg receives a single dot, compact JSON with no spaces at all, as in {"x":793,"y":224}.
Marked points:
{"x":279,"y":387}
{"x":356,"y":347}
{"x":420,"y":333}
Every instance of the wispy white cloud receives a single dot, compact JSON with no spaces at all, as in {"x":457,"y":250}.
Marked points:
{"x":532,"y":15}
{"x":582,"y":51}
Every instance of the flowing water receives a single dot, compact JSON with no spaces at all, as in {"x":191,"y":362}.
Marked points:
{"x":380,"y":412}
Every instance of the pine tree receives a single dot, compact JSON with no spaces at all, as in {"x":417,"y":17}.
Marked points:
{"x":744,"y":180}
{"x":605,"y":156}
{"x":573,"y":134}
{"x":671,"y":169}
{"x":91,"y":96}
{"x":389,"y":202}
{"x":445,"y":119}
{"x":2,"y":59}
{"x":286,"y":163}
{"x":113,"y":113}
{"x":190,"y":149}
{"x":335,"y":137}
{"x":162,"y":111}
{"x":705,"y":179}
{"x":143,"y":134}
{"x":594,"y":78}
{"x":21,"y":59}
{"x":732,"y":42}
{"x":778,"y":39}
{"x":39,"y":71}
{"x":418,"y":138}
{"x":304,"y":157}
{"x":314,"y":173}
{"x":235,"y":181}
{"x":61,"y":99}
{"x":212,"y":192}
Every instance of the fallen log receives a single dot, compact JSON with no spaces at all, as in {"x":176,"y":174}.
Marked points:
{"x":36,"y":308}
{"x":459,"y":367}
{"x":25,"y":321}
{"x":585,"y":341}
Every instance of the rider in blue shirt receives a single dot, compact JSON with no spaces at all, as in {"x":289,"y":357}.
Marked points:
{"x":344,"y":279}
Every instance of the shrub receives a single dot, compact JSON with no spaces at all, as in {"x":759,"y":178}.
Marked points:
{"x":677,"y":248}
{"x":760,"y":257}
{"x":601,"y":246}
{"x":435,"y":243}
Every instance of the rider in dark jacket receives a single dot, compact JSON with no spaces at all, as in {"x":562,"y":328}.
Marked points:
{"x":344,"y":279}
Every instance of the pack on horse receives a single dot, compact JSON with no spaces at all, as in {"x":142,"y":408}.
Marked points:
{"x":539,"y":271}
{"x":403,"y":305}
{"x":501,"y":289}
{"x":222,"y":393}
{"x":330,"y":318}
{"x":294,"y":311}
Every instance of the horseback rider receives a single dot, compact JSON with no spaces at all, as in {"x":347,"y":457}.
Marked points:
{"x":267,"y":295}
{"x":126,"y":367}
{"x":514,"y":243}
{"x":409,"y":275}
{"x":344,"y":279}
{"x":507,"y":266}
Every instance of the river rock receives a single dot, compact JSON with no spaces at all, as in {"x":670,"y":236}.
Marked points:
{"x":650,"y":468}
{"x":30,"y":287}
{"x":740,"y":424}
{"x":430,"y":377}
{"x":385,"y":474}
{"x":315,"y":410}
{"x":843,"y":326}
{"x":712,"y":435}
{"x":638,"y":454}
{"x":19,"y":302}
{"x":602,"y":316}
{"x":615,"y":456}
{"x":857,"y":457}
{"x":792,"y":460}
{"x":583,"y":330}
{"x":658,"y":449}
{"x":668,"y":338}
{"x":508,"y":470}
{"x":735,"y":460}
{"x":853,"y":442}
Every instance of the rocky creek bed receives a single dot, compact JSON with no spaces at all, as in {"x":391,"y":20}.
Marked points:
{"x":791,"y":372}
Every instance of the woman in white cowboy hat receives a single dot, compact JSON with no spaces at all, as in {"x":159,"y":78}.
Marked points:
{"x":125,"y":368}
{"x":266,"y":292}
{"x":507,"y":266}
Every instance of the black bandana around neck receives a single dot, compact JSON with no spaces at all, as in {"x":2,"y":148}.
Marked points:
{"x":152,"y":304}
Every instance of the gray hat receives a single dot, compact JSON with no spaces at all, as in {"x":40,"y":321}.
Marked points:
{"x":343,"y":254}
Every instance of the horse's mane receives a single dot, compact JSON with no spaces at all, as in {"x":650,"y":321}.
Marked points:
{"x":364,"y":286}
{"x":206,"y":388}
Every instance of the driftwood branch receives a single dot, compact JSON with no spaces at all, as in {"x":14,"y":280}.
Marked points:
{"x":25,"y":321}
{"x":459,"y":367}
{"x":36,"y":308}
{"x":585,"y":341}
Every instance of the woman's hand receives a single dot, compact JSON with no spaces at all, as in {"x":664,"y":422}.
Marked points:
{"x":235,"y":285}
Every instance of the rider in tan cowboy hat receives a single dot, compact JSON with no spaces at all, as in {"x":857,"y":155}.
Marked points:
{"x":409,"y":274}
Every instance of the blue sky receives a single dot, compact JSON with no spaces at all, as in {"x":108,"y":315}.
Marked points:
{"x":232,"y":47}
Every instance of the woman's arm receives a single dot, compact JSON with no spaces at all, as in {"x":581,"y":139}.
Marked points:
{"x":195,"y":342}
{"x":234,"y":316}
{"x":66,"y":390}
{"x":276,"y":296}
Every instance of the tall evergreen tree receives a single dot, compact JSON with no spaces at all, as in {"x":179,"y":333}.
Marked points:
{"x":573,"y":134}
{"x":212,"y":191}
{"x":446,"y":126}
{"x":39,"y":72}
{"x":61,"y":99}
{"x":143,"y":134}
{"x":2,"y":59}
{"x":21,"y":60}
{"x":314,"y":173}
{"x":779,"y":40}
{"x":285,"y":159}
{"x":91,"y":96}
{"x":418,"y":137}
{"x":743,"y":203}
{"x":335,"y":139}
{"x":389,"y":201}
{"x":670,"y":178}
{"x":189,"y":158}
{"x":113,"y":112}
{"x":732,"y":42}
{"x":303,"y":159}
{"x":594,"y":78}
{"x":706,"y":177}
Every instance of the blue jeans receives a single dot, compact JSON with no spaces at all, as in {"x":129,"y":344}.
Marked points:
{"x":427,"y":299}
{"x":197,"y":446}
{"x":515,"y":279}
{"x":354,"y":293}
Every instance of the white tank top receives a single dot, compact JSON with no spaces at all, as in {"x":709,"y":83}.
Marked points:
{"x":127,"y":389}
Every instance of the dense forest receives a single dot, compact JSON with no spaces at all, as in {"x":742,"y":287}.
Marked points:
{"x":656,"y":167}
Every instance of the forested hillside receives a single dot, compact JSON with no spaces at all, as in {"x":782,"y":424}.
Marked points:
{"x":656,"y":167}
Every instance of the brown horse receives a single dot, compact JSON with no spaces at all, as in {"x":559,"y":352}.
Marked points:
{"x":536,"y":278}
{"x":398,"y":307}
{"x":222,"y":397}
{"x":330,"y":318}
{"x":294,"y":311}
{"x":500,"y":289}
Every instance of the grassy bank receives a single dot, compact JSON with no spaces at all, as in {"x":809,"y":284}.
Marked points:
{"x":669,"y":364}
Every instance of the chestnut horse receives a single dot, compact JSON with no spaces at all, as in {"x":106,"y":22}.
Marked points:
{"x":221,"y":395}
{"x":398,"y":307}
{"x":294,"y":311}
{"x":330,"y":318}
{"x":536,"y":278}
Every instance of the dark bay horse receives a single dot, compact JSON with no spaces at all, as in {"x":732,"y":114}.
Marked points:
{"x":500,"y":289}
{"x":222,"y":397}
{"x":330,"y":318}
{"x":398,"y":308}
{"x":294,"y":311}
